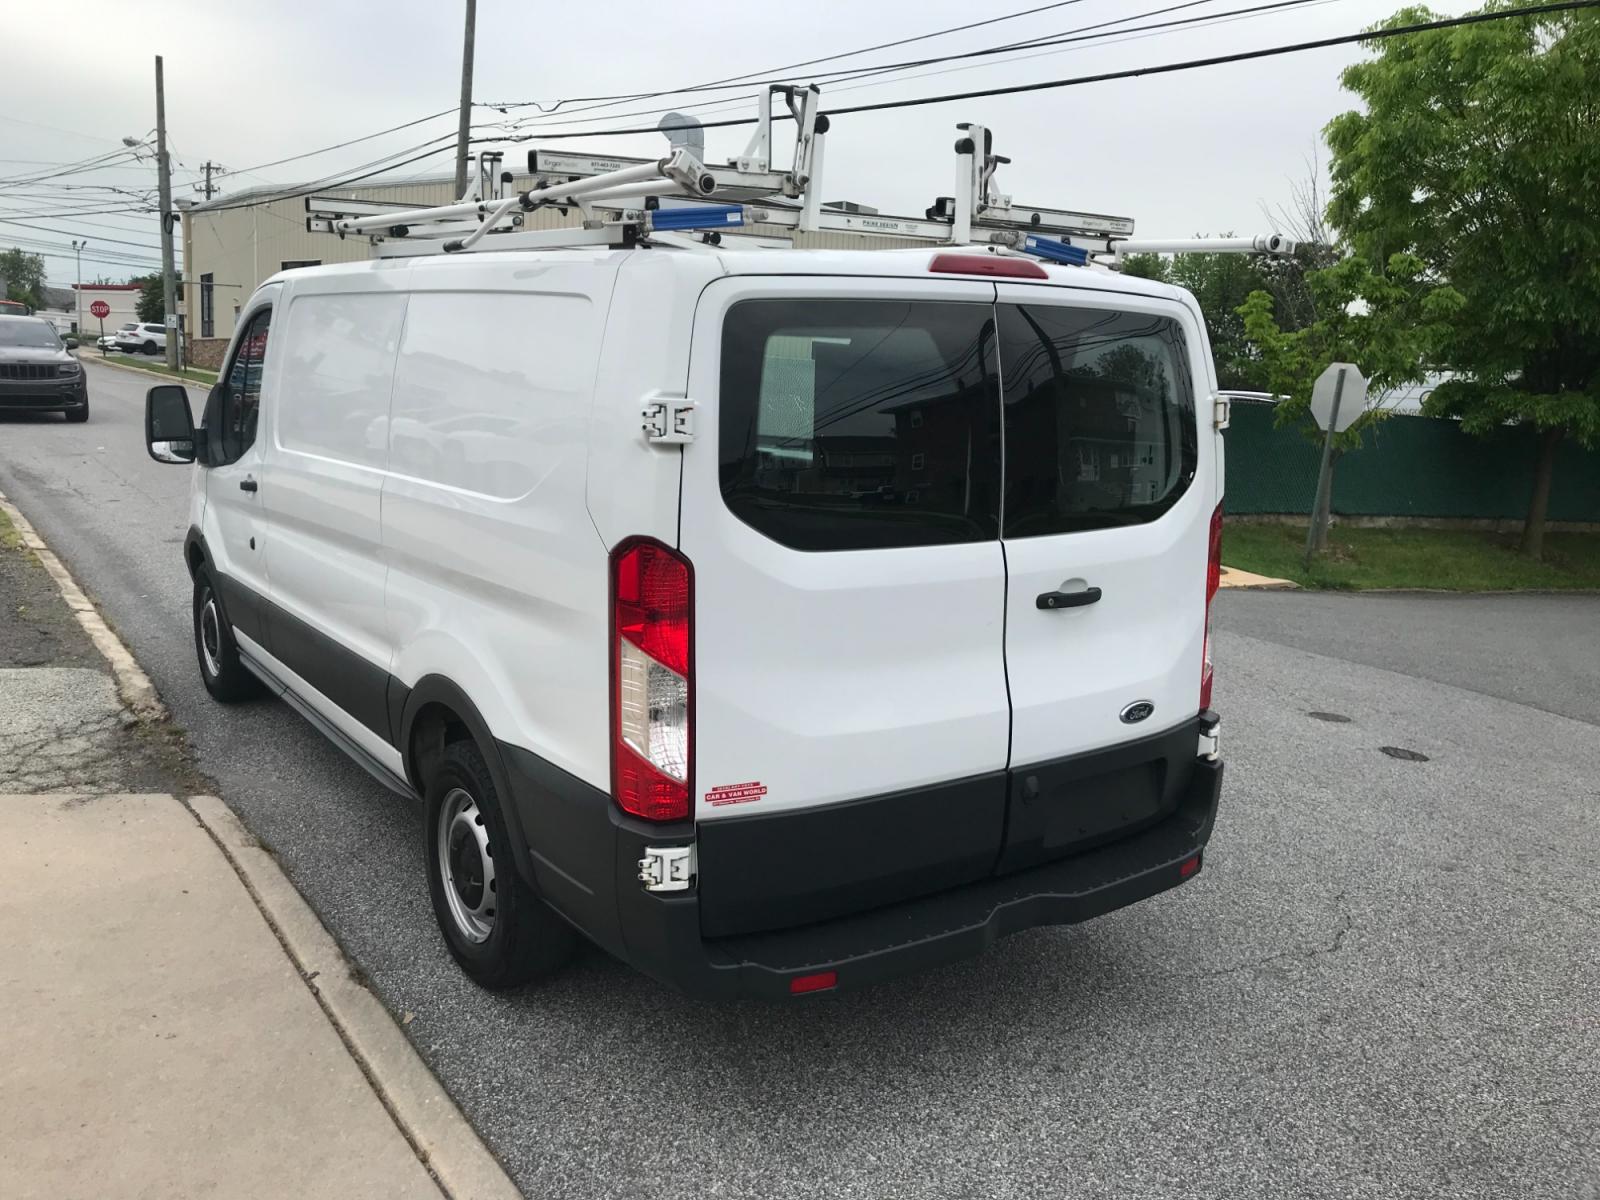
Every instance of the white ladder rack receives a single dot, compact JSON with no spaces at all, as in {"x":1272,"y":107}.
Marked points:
{"x":622,"y":201}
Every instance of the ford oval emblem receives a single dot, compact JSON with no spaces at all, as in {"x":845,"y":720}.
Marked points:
{"x":1137,"y":711}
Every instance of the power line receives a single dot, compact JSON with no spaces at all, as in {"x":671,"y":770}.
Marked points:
{"x":340,"y":145}
{"x":1131,"y":73}
{"x":70,"y":233}
{"x":781,"y":71}
{"x":1066,"y":39}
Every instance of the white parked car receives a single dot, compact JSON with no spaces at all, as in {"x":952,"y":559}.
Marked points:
{"x":108,"y":341}
{"x":781,"y":622}
{"x":144,"y":338}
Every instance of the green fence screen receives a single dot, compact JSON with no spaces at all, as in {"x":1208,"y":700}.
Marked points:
{"x":1410,"y":467}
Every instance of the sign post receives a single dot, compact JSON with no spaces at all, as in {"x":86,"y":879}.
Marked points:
{"x":1337,"y":398}
{"x":100,"y":310}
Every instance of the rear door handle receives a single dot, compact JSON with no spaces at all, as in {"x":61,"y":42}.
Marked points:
{"x":1049,"y":600}
{"x":247,"y":485}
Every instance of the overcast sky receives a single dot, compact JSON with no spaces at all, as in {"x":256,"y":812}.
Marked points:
{"x":248,"y":83}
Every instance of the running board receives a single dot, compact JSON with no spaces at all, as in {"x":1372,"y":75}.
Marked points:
{"x":328,"y":730}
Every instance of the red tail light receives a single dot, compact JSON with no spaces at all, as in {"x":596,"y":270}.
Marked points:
{"x":652,"y":601}
{"x":1213,"y":579}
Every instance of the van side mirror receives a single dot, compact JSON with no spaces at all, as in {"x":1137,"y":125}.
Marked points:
{"x":168,"y":424}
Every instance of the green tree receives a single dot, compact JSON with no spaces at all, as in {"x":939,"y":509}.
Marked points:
{"x":1221,"y":283}
{"x":1389,"y":323}
{"x":24,"y":277}
{"x":1478,"y":153}
{"x":152,"y":305}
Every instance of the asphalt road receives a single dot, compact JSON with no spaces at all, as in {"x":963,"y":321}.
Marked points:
{"x":1384,"y":984}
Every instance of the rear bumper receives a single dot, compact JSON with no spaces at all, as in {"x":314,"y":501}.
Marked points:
{"x":585,"y":857}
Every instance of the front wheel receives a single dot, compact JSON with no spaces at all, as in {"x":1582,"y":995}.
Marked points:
{"x":499,"y":931}
{"x":150,"y":348}
{"x":225,"y":677}
{"x":79,"y":415}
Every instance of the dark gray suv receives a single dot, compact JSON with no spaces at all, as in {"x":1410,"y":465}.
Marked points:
{"x":37,"y":374}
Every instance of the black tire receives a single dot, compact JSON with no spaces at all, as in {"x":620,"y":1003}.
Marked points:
{"x":225,"y":677}
{"x":515,"y":938}
{"x":150,"y":348}
{"x":78,"y":416}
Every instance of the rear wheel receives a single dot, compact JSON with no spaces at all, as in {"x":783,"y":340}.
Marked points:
{"x":494,"y":925}
{"x":225,"y":677}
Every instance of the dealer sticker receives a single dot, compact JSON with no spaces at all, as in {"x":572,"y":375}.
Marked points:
{"x":735,"y":793}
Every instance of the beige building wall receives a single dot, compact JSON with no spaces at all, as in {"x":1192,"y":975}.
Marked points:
{"x":240,"y":248}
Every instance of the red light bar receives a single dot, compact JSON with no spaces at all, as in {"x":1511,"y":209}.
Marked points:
{"x":987,"y":264}
{"x":1188,"y":867}
{"x":820,"y":982}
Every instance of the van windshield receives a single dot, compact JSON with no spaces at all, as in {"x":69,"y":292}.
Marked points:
{"x":850,"y":425}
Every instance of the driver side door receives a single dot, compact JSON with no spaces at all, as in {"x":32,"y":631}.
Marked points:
{"x":232,"y":526}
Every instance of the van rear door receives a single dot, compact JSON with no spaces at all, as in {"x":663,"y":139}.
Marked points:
{"x":840,"y":506}
{"x":1109,"y":492}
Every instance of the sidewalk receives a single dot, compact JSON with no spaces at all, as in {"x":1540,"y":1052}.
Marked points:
{"x":177,"y":1023}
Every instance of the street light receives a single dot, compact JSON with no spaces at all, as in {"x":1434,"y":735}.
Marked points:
{"x":77,"y":250}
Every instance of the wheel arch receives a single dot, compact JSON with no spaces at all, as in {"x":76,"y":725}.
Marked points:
{"x":430,"y":714}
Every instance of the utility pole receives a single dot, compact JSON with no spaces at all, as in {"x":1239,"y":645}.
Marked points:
{"x":77,"y":318}
{"x":209,"y":167}
{"x":169,"y":287}
{"x":465,"y":130}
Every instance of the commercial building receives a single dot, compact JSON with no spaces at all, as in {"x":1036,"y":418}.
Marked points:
{"x":121,"y":298}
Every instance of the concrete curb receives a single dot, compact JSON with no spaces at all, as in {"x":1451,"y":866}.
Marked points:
{"x":134,"y":686}
{"x":122,"y":366}
{"x":444,"y":1141}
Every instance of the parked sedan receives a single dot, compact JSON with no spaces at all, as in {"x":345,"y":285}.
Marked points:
{"x":108,"y":341}
{"x":143,"y":338}
{"x":37,"y":374}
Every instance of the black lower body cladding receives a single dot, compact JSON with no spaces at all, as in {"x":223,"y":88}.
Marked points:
{"x":850,"y":919}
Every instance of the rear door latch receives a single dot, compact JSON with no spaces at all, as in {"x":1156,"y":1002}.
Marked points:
{"x":668,"y":421}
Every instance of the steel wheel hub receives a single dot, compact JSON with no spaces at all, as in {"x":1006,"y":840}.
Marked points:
{"x":211,"y":636}
{"x":466,"y":862}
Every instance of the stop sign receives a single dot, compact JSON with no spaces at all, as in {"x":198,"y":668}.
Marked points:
{"x":100,"y":309}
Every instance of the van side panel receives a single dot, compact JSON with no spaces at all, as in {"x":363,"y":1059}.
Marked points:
{"x":328,"y":417}
{"x":496,"y":576}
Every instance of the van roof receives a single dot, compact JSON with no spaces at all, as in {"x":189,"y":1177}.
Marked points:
{"x":733,"y":260}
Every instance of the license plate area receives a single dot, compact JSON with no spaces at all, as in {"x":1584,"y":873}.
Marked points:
{"x":1065,"y":807}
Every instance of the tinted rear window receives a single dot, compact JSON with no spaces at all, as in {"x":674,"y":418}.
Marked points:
{"x":1099,"y":418}
{"x":850,"y":425}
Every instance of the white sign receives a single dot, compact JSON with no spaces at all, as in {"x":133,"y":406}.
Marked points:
{"x":172,"y":320}
{"x":1352,"y":398}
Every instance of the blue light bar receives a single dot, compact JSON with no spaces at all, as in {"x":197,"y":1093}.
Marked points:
{"x":700,"y":216}
{"x":1054,"y":250}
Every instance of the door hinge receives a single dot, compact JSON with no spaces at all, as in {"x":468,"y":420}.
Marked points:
{"x":1221,"y":410}
{"x":667,"y":868}
{"x":668,"y":421}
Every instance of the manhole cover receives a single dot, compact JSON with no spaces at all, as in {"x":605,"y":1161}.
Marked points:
{"x":1336,"y":718}
{"x":1403,"y":754}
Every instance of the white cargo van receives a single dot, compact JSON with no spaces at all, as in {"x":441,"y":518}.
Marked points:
{"x":781,"y":622}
